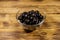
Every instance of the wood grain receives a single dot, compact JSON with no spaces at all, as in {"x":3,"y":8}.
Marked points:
{"x":10,"y":29}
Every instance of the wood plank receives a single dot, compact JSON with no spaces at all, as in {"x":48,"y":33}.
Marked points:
{"x":11,"y":29}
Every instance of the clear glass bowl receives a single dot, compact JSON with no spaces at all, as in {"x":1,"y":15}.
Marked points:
{"x":26,"y":9}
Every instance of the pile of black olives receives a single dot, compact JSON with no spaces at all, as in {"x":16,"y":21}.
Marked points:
{"x":31,"y":17}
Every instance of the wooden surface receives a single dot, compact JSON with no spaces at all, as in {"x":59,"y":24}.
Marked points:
{"x":10,"y":29}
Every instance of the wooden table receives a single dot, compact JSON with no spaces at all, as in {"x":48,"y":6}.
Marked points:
{"x":10,"y":29}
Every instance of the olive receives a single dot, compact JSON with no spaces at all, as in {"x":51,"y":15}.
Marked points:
{"x":31,"y":17}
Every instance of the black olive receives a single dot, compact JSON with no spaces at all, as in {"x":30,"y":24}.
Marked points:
{"x":30,"y":12}
{"x":30,"y":18}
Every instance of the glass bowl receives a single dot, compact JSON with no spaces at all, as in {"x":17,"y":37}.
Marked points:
{"x":27,"y":9}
